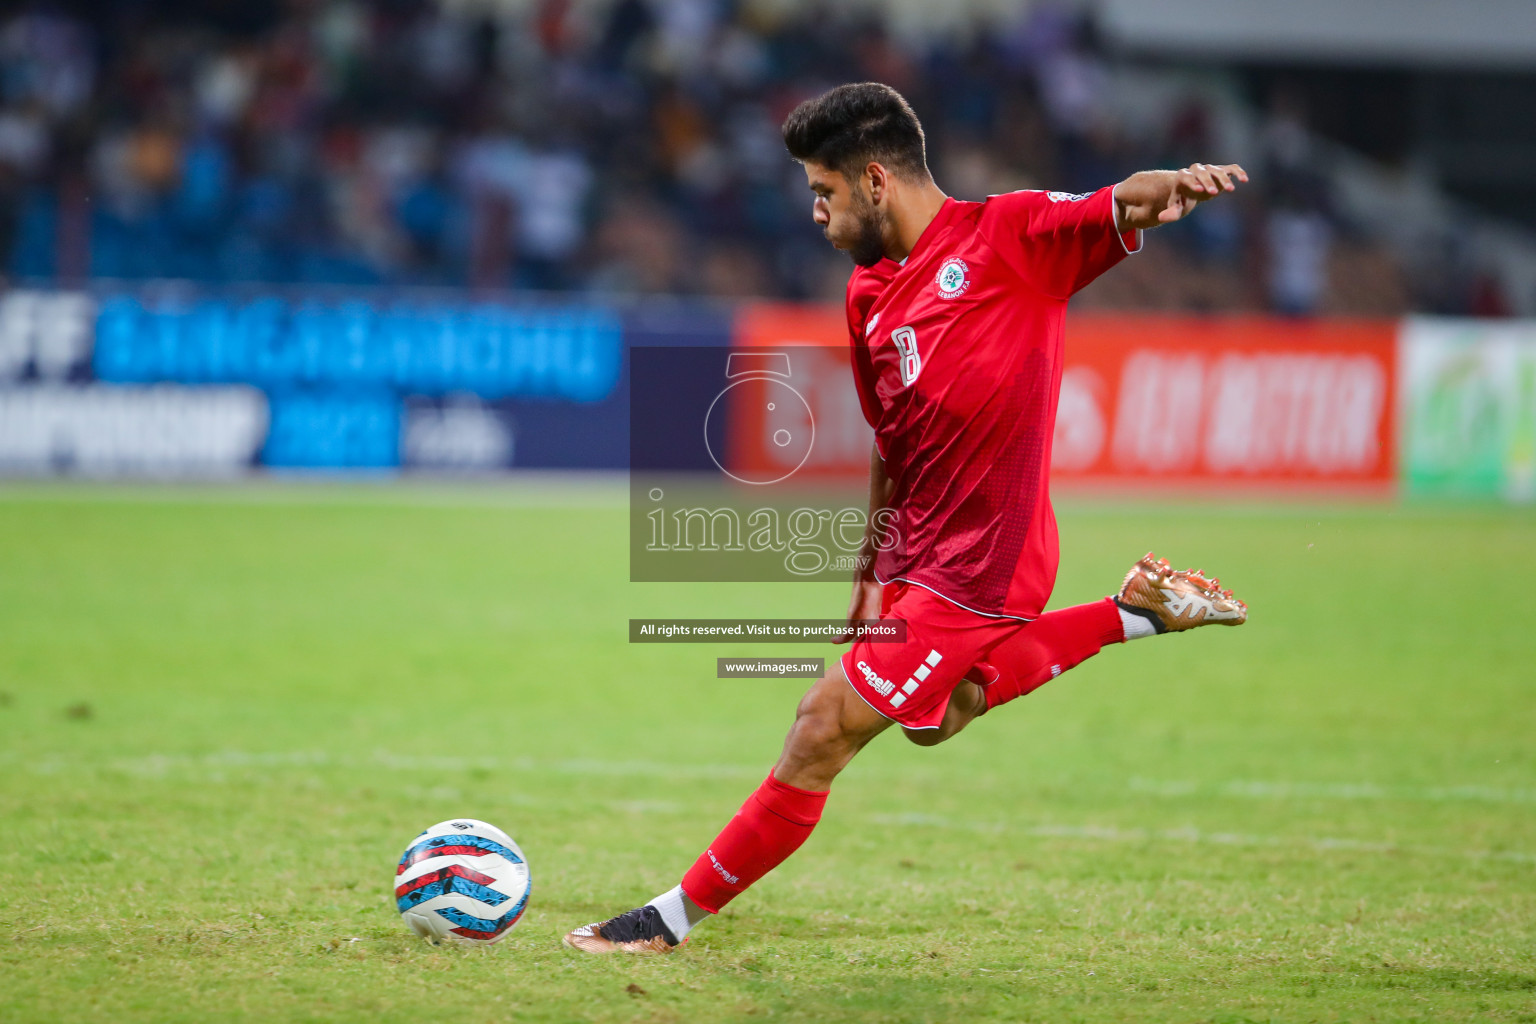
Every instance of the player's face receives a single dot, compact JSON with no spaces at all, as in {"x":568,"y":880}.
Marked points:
{"x":847,"y":215}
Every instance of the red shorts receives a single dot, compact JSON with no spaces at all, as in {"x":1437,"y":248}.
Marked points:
{"x":910,"y":682}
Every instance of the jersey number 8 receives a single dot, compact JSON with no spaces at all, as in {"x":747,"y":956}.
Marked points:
{"x":905,"y":339}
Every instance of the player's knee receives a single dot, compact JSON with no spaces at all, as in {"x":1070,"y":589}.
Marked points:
{"x":927,"y":737}
{"x":818,"y":735}
{"x":964,"y":705}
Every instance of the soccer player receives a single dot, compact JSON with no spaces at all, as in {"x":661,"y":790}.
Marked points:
{"x":955,"y":317}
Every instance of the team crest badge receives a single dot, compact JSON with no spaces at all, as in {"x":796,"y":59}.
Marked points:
{"x":953,"y":278}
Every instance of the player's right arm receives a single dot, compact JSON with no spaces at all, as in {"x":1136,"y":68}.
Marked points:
{"x":865,"y":602}
{"x":1148,"y":199}
{"x":1058,"y":242}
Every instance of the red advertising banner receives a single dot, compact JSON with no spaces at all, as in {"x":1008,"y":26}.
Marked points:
{"x":1224,"y":401}
{"x":1150,"y":400}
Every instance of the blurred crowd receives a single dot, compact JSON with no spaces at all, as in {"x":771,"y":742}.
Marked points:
{"x":626,"y":148}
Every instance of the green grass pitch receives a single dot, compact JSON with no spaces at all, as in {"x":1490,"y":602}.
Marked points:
{"x":225,"y":711}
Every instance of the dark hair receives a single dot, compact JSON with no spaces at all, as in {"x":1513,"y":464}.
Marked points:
{"x":847,"y":127}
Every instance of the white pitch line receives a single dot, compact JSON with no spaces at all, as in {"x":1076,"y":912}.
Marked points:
{"x":155,"y":766}
{"x":1255,"y":789}
{"x":1192,"y":836}
{"x":516,"y":489}
{"x":210,"y":767}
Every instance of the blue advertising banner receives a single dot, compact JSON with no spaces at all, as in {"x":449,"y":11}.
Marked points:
{"x":491,"y":351}
{"x":354,"y":380}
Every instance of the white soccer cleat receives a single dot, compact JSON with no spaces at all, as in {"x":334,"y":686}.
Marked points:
{"x":1174,"y":600}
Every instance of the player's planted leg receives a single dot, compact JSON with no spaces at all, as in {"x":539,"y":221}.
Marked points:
{"x":832,"y":724}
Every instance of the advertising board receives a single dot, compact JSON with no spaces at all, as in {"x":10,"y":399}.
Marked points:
{"x":1469,"y":408}
{"x":170,"y":378}
{"x":1221,"y":403}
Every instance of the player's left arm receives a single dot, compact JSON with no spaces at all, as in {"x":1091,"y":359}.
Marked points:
{"x":1149,"y":198}
{"x":865,"y":602}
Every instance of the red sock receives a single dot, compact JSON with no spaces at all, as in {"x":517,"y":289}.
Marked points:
{"x":1049,"y":646}
{"x":770,"y":826}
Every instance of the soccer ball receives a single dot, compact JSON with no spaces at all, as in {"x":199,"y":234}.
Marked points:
{"x":462,"y":880}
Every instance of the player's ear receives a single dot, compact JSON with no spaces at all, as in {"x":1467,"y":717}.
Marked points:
{"x":879,"y":181}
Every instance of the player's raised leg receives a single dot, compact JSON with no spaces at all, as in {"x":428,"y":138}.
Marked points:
{"x":1154,"y":598}
{"x":1052,"y":644}
{"x":832,"y":724}
{"x":1172,"y":600}
{"x":1029,"y":657}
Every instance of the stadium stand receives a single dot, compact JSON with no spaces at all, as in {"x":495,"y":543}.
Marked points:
{"x":633,"y":148}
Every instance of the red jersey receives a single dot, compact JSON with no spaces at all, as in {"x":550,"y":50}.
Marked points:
{"x":957,"y":357}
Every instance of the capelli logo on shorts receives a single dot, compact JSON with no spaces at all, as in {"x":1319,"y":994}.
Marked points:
{"x":881,"y":686}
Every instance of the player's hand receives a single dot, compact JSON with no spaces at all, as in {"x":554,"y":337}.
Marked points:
{"x":1197,"y":183}
{"x":865,"y":604}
